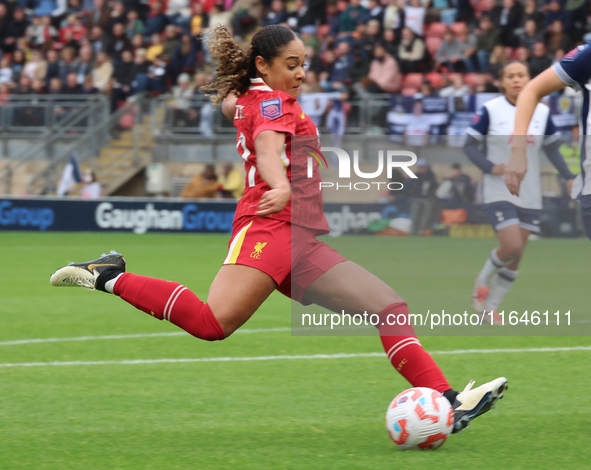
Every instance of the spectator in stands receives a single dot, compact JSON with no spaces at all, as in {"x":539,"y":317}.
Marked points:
{"x":42,"y":31}
{"x":88,"y":87}
{"x":530,"y":35}
{"x":457,"y":187}
{"x":185,"y":56}
{"x":36,"y":68}
{"x":85,"y":63}
{"x":68,"y":64}
{"x":558,"y":55}
{"x":411,"y":51}
{"x":17,"y":64}
{"x":91,"y":188}
{"x":333,"y":19}
{"x":217,"y":16}
{"x":137,"y":42}
{"x":156,"y":21}
{"x":468,"y":46}
{"x":74,"y":7}
{"x":390,"y":43}
{"x":134,"y":25}
{"x":55,"y":87}
{"x":450,"y":53}
{"x":53,"y":65}
{"x":531,"y":12}
{"x":171,"y":41}
{"x":74,"y":26}
{"x":556,"y":38}
{"x":497,"y":60}
{"x":157,"y":74}
{"x":376,"y":12}
{"x":97,"y":17}
{"x":4,"y":92}
{"x":72,"y":87}
{"x":123,"y":78}
{"x":508,"y":21}
{"x":384,"y":74}
{"x":200,"y":20}
{"x":554,"y":11}
{"x":156,"y":48}
{"x":301,"y":17}
{"x":424,"y":210}
{"x":417,"y":127}
{"x":141,"y":70}
{"x":12,"y":30}
{"x":178,"y":12}
{"x":184,"y":112}
{"x":70,"y":42}
{"x":457,"y":89}
{"x":359,"y":68}
{"x":97,"y":40}
{"x":5,"y":70}
{"x":485,"y":42}
{"x":313,"y":61}
{"x":414,"y":16}
{"x":24,"y":86}
{"x":5,"y":20}
{"x":38,"y":87}
{"x":117,"y":43}
{"x":353,"y":14}
{"x":394,"y":16}
{"x":372,"y":36}
{"x":231,"y":182}
{"x":539,"y":61}
{"x":343,"y":62}
{"x":522,"y":54}
{"x":483,"y":84}
{"x":102,"y":71}
{"x":276,"y":15}
{"x":204,"y":185}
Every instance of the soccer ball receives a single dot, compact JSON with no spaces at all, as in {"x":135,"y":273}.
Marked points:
{"x":419,"y":418}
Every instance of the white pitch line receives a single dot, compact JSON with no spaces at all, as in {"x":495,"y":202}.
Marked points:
{"x":275,"y":358}
{"x":139,"y":335}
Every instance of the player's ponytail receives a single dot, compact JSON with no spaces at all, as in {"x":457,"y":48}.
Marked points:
{"x":236,"y":65}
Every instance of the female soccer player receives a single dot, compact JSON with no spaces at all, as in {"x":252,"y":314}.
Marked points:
{"x":512,"y":217}
{"x":261,"y":255}
{"x":574,"y":70}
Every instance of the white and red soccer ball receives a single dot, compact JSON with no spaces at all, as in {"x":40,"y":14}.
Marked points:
{"x":419,"y":418}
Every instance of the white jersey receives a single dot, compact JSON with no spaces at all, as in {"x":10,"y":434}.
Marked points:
{"x":575,"y":70}
{"x":494,"y":126}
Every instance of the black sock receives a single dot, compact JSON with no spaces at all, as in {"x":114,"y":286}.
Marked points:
{"x":104,"y":277}
{"x":451,"y":396}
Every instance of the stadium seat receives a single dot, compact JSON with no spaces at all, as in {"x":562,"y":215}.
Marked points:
{"x":412,"y":80}
{"x":458,"y":26}
{"x":433,"y":44}
{"x":434,"y":78}
{"x":409,"y":91}
{"x":471,"y":78}
{"x":436,"y":30}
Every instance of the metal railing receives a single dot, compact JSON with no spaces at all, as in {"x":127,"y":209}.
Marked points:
{"x":69,"y":127}
{"x":88,"y":146}
{"x":41,"y":113}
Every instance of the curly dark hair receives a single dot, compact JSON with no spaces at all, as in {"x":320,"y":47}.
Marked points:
{"x":236,"y":65}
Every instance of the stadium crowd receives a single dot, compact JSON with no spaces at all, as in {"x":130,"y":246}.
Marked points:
{"x":355,"y":48}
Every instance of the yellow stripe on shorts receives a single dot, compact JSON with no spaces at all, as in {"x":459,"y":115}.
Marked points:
{"x":236,"y":246}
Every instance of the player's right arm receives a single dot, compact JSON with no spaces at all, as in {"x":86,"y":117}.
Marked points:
{"x":473,"y":147}
{"x":268,"y":146}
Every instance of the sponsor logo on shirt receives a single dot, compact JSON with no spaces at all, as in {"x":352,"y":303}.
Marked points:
{"x":575,"y":52}
{"x":271,"y":108}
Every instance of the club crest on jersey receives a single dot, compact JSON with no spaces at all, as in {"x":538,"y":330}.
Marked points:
{"x":271,"y":108}
{"x":575,"y":52}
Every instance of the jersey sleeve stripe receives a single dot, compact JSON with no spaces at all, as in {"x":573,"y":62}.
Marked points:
{"x":565,"y":77}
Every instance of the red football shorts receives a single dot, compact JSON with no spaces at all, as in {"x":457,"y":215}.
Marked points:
{"x":266,"y":244}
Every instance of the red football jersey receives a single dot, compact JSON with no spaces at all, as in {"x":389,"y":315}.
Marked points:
{"x":260,"y":109}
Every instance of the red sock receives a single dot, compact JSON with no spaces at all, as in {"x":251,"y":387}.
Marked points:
{"x":406,"y":353}
{"x":170,"y":301}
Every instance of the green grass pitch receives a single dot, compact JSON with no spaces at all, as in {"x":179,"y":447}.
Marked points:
{"x":282,"y":413}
